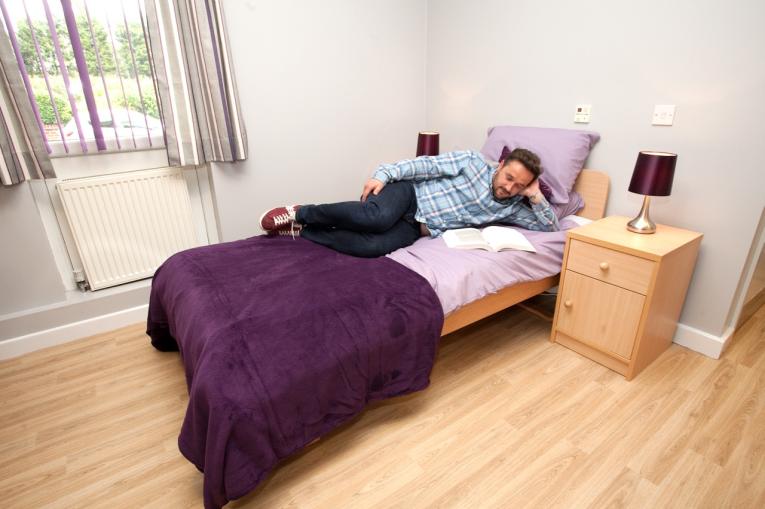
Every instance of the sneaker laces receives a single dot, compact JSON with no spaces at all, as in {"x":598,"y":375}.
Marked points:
{"x":287,"y":217}
{"x":294,"y":231}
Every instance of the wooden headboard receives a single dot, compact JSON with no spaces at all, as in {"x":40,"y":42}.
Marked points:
{"x":593,"y":186}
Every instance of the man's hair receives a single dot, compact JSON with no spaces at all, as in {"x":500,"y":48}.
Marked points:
{"x":527,"y":158}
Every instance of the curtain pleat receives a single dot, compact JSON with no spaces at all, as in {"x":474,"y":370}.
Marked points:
{"x":23,"y":155}
{"x":195,"y":82}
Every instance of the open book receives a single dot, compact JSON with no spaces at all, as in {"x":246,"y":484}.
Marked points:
{"x":492,"y":238}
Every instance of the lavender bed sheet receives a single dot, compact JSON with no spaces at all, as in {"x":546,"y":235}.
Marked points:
{"x":461,"y":276}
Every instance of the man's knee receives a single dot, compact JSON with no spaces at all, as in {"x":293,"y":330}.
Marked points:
{"x":379,"y":217}
{"x":390,"y":206}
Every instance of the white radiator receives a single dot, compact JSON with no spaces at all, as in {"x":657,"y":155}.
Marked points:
{"x":125,"y":225}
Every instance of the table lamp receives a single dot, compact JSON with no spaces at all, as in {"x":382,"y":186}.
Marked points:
{"x":652,"y":176}
{"x":427,"y":143}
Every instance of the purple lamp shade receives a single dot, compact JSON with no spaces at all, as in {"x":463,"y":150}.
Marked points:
{"x":427,"y":144}
{"x":653,"y":173}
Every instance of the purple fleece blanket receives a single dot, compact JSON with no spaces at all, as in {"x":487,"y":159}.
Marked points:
{"x":283,"y":340}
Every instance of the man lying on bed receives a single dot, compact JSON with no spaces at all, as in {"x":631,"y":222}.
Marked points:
{"x":423,"y":196}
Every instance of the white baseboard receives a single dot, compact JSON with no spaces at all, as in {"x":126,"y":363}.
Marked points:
{"x":702,"y":342}
{"x":20,"y":345}
{"x":689,"y":337}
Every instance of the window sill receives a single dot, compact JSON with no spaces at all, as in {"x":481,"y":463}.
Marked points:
{"x":105,"y":163}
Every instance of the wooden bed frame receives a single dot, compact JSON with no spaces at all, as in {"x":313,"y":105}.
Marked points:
{"x":593,"y":187}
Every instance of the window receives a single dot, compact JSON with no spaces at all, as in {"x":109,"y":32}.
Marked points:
{"x":86,"y":65}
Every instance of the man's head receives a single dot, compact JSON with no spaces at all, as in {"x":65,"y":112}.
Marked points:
{"x":519,"y":169}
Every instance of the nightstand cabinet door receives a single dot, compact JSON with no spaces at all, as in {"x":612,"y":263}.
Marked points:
{"x":601,"y":314}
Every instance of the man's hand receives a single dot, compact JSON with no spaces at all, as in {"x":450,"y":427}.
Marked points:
{"x":373,"y":186}
{"x":533,"y":192}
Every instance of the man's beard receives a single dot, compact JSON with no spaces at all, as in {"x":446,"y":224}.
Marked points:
{"x":494,"y":189}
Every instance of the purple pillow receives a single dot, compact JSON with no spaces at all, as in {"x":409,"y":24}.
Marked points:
{"x":562,"y":152}
{"x":574,"y":205}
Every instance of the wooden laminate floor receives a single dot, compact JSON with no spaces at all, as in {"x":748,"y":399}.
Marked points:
{"x":510,"y":420}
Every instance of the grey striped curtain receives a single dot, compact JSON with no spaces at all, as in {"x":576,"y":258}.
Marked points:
{"x":23,"y":154}
{"x":197,"y":93}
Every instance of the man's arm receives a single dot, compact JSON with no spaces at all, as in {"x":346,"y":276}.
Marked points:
{"x":539,"y":216}
{"x":422,"y":168}
{"x":425,"y":168}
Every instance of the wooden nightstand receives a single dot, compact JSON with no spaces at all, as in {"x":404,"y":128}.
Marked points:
{"x":621,"y":293}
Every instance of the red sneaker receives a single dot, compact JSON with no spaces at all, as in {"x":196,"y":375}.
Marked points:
{"x":280,"y":218}
{"x":292,"y":231}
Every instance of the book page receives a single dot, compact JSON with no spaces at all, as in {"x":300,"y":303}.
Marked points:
{"x":465,"y":238}
{"x":500,"y":237}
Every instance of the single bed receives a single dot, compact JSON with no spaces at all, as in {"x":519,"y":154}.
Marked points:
{"x":283,"y":340}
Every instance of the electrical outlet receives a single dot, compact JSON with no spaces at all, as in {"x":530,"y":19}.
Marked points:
{"x":663,"y":114}
{"x":582,"y":115}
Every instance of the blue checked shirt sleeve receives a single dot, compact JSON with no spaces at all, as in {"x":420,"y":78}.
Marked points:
{"x":425,"y":168}
{"x":538,"y":217}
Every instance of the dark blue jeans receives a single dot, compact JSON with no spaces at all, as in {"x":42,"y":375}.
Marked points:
{"x":381,"y":224}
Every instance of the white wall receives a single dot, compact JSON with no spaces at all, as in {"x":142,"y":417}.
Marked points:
{"x":28,"y":274}
{"x":328,"y":90}
{"x":523,"y":62}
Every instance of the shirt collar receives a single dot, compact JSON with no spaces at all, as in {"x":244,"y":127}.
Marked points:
{"x":506,"y":201}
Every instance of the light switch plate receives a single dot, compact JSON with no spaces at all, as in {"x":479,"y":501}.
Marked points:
{"x":582,"y":114}
{"x":663,"y":114}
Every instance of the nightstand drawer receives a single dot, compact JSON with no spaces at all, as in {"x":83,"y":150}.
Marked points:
{"x":611,"y":266}
{"x":599,"y":314}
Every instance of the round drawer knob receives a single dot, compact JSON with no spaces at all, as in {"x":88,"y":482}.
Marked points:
{"x":603,"y":265}
{"x":568,"y":303}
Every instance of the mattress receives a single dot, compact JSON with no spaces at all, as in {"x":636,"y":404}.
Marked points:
{"x":460,"y":277}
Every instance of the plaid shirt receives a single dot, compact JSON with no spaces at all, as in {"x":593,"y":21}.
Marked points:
{"x":454,"y":190}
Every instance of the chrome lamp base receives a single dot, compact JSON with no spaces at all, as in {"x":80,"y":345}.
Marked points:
{"x":642,"y":223}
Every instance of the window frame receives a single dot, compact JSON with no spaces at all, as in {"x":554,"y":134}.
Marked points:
{"x":85,"y":112}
